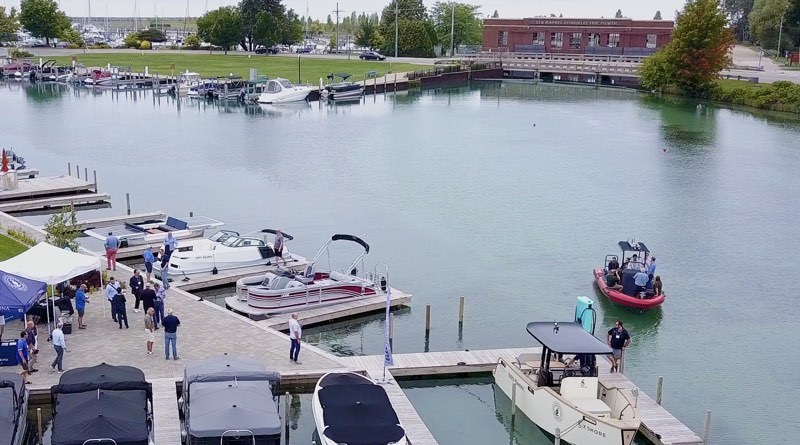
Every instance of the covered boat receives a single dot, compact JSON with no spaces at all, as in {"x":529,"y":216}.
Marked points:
{"x":227,"y":250}
{"x":102,"y":403}
{"x":13,"y":408}
{"x":567,"y":396}
{"x":342,"y":89}
{"x":154,"y":231}
{"x":227,"y":400}
{"x":280,"y":291}
{"x":636,"y":256}
{"x":351,"y":409}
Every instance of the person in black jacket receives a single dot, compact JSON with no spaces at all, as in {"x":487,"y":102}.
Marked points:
{"x":137,"y":284}
{"x":148,"y":296}
{"x":118,"y":306}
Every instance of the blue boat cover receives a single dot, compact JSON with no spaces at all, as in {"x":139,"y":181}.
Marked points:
{"x":359,"y":414}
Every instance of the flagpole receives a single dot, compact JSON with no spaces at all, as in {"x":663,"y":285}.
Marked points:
{"x":387,"y":347}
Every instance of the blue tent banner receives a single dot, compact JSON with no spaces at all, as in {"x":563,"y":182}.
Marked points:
{"x":18,"y":294}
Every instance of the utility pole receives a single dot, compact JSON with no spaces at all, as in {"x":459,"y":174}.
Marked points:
{"x":780,"y":32}
{"x":453,"y":30}
{"x":396,"y":26}
{"x":337,"y":26}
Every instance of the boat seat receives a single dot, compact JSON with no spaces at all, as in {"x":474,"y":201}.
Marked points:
{"x":593,"y":406}
{"x":279,"y":283}
{"x":307,"y":276}
{"x":583,"y":391}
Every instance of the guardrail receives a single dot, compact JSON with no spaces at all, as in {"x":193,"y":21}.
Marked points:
{"x":508,"y":56}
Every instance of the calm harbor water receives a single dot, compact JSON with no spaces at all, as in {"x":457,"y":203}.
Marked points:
{"x":507,"y":194}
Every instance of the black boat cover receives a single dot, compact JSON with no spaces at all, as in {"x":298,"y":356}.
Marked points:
{"x":343,"y":378}
{"x":10,"y":388}
{"x":353,"y":238}
{"x":359,"y":414}
{"x":566,"y":338}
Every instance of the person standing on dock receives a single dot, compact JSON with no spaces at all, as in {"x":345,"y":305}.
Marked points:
{"x":118,"y":306}
{"x":170,"y":245}
{"x":137,"y":284}
{"x":149,"y":299}
{"x":112,"y":246}
{"x":171,"y":323}
{"x":149,"y":259}
{"x":295,"y":333}
{"x":22,"y":356}
{"x":33,"y":345}
{"x":618,"y":339}
{"x":80,"y":304}
{"x":277,"y":246}
{"x":149,"y":330}
{"x":111,"y":291}
{"x":161,"y":295}
{"x":164,"y":268}
{"x":60,"y":345}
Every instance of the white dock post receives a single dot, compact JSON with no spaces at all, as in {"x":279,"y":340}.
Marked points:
{"x":558,"y":436}
{"x":659,"y":389}
{"x":39,"y":423}
{"x":391,"y":330}
{"x":707,"y":427}
{"x":513,"y":401}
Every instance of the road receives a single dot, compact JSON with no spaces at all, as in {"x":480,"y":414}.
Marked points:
{"x":744,"y":56}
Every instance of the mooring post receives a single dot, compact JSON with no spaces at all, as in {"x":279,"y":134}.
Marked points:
{"x":78,"y":171}
{"x":128,"y":201}
{"x":286,"y":417}
{"x":395,"y":82}
{"x":558,"y":436}
{"x":95,"y":180}
{"x":39,"y":423}
{"x":707,"y":427}
{"x":86,"y":173}
{"x":660,"y":390}
{"x":461,"y":311}
{"x":191,"y":214}
{"x":69,"y":168}
{"x":427,"y":320}
{"x":513,"y":401}
{"x":621,"y":362}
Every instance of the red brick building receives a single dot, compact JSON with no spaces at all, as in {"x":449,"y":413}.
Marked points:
{"x":576,"y":36}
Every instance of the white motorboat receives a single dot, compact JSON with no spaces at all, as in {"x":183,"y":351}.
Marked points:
{"x":564,"y":399}
{"x":13,"y":408}
{"x":280,"y":291}
{"x":227,"y":250}
{"x":343,"y":89}
{"x":280,"y":91}
{"x":186,"y":81}
{"x":350,"y":408}
{"x":154,"y":231}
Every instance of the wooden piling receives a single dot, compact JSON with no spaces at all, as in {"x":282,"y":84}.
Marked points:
{"x":86,"y":173}
{"x":659,"y":389}
{"x":513,"y":401}
{"x":95,"y":181}
{"x":621,"y":361}
{"x":69,"y":168}
{"x":128,"y":202}
{"x":286,"y":417}
{"x":39,"y":425}
{"x":707,"y":427}
{"x":461,"y":311}
{"x":427,"y":320}
{"x":78,"y":171}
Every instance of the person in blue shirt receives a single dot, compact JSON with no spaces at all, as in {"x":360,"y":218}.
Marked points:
{"x":170,"y":245}
{"x":112,"y":246}
{"x":171,"y":323}
{"x":80,"y":304}
{"x":651,"y":268}
{"x":111,"y":292}
{"x":640,"y":280}
{"x":149,"y":259}
{"x":22,"y":355}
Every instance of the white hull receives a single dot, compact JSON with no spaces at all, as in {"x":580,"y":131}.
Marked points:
{"x":285,"y":97}
{"x":550,"y":411}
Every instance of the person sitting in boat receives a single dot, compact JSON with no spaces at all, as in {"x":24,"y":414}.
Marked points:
{"x":640,"y":280}
{"x":634,"y":262}
{"x":657,"y":284}
{"x":613,"y":264}
{"x":613,"y":280}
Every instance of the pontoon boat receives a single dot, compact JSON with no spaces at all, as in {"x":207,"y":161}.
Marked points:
{"x":634,"y":255}
{"x":343,"y":89}
{"x":154,"y":231}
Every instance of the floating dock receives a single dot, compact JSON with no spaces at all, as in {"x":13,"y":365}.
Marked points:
{"x":47,"y":187}
{"x":108,"y":221}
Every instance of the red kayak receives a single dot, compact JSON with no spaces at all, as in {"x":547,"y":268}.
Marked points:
{"x":624,"y":299}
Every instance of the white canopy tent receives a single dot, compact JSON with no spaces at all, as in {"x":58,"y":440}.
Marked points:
{"x":49,"y":264}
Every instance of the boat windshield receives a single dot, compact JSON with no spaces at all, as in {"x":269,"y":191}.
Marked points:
{"x":236,"y":241}
{"x":222,"y":235}
{"x":285,"y":83}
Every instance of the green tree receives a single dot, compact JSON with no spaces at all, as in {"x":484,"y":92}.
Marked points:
{"x":332,"y":44}
{"x":72,"y":36}
{"x":9,"y":24}
{"x":765,"y":21}
{"x":468,"y":26}
{"x":152,"y":35}
{"x":266,"y":30}
{"x":409,"y":12}
{"x":221,"y":27}
{"x":192,"y":42}
{"x":738,"y":12}
{"x":249,"y":11}
{"x":657,"y":16}
{"x":700,"y":48}
{"x":618,"y":15}
{"x":43,"y":19}
{"x":62,"y":230}
{"x":365,"y":34}
{"x":131,"y":40}
{"x":290,"y":28}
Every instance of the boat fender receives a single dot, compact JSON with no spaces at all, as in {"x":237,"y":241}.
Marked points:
{"x":214,"y":271}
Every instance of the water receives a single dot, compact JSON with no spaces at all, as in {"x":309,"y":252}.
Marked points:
{"x":461,"y":194}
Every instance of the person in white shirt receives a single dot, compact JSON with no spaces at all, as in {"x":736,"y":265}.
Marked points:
{"x":295,"y":333}
{"x":60,"y":345}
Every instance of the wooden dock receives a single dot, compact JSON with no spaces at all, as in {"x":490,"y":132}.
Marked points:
{"x":56,"y":202}
{"x":47,"y":187}
{"x":167,"y":424}
{"x":95,"y":223}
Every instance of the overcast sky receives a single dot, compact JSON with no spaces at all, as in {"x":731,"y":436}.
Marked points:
{"x":319,"y":9}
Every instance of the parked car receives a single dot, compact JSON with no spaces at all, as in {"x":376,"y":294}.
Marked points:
{"x":265,"y":50}
{"x":371,"y":55}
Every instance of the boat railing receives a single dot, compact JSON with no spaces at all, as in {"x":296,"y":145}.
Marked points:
{"x":237,"y":433}
{"x":103,"y":440}
{"x":380,"y":277}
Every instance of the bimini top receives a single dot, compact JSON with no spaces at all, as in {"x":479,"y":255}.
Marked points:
{"x":637,"y":247}
{"x":275,"y":232}
{"x":566,"y":338}
{"x":355,"y":239}
{"x":358,"y":414}
{"x":102,"y":376}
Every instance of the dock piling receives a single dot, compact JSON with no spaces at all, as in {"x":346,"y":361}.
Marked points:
{"x":427,"y":327}
{"x":95,"y":181}
{"x":39,"y":424}
{"x":78,"y":171}
{"x":461,"y":318}
{"x":286,"y":417}
{"x":513,"y":402}
{"x":660,"y":389}
{"x":558,"y":436}
{"x":86,"y":173}
{"x":621,"y":362}
{"x":191,"y":214}
{"x":706,"y":427}
{"x":128,"y":202}
{"x":69,"y":168}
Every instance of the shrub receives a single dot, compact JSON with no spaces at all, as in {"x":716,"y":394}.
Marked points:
{"x":17,"y":53}
{"x":779,"y":96}
{"x":192,"y":42}
{"x":131,"y":40}
{"x":145,"y":45}
{"x":21,"y":236}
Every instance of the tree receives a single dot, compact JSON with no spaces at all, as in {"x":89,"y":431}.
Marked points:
{"x":365,"y":34}
{"x":657,"y":16}
{"x":699,"y":50}
{"x":249,"y":11}
{"x":265,"y":31}
{"x":152,"y":35}
{"x":192,"y":42}
{"x":221,"y":27}
{"x":9,"y":24}
{"x":290,"y":28}
{"x":62,"y":230}
{"x":738,"y":12}
{"x":468,"y":28}
{"x":618,"y":15}
{"x":415,"y":38}
{"x":495,"y":15}
{"x":410,"y":11}
{"x":43,"y":19}
{"x":765,"y":20}
{"x":131,"y":40}
{"x":72,"y":36}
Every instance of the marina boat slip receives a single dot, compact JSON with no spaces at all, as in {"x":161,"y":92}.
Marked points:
{"x":351,"y":409}
{"x":563,"y":398}
{"x":280,"y":91}
{"x":343,"y":89}
{"x":621,"y":287}
{"x":227,"y":250}
{"x":13,"y":408}
{"x":154,"y":231}
{"x":280,"y":291}
{"x":227,"y":400}
{"x":185,"y":82}
{"x":103,"y":403}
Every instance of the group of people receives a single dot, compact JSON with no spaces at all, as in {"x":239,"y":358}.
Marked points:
{"x":28,"y":349}
{"x":112,"y":245}
{"x":645,"y":278}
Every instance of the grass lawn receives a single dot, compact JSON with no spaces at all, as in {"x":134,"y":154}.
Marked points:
{"x":10,"y":248}
{"x":728,"y":84}
{"x":311,"y":68}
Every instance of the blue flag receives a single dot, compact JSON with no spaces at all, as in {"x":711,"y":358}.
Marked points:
{"x":387,"y":347}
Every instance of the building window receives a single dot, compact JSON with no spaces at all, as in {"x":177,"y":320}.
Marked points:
{"x":538,"y":38}
{"x":594,"y":40}
{"x":613,"y":40}
{"x":651,"y":40}
{"x":502,"y":38}
{"x":557,"y":39}
{"x":575,"y":40}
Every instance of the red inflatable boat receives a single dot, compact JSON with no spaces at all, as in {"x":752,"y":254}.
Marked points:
{"x":635,"y":256}
{"x":624,"y":299}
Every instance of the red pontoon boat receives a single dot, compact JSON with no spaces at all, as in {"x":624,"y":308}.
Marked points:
{"x":634,"y":255}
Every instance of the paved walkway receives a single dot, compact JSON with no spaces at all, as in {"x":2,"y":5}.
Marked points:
{"x":745,"y":56}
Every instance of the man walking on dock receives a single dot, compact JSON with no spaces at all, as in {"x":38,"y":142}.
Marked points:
{"x":80,"y":304}
{"x":60,"y":345}
{"x":165,"y":269}
{"x":295,"y":332}
{"x":112,"y":246}
{"x":170,"y":245}
{"x":171,"y":323}
{"x":118,"y":306}
{"x":618,"y":339}
{"x":149,"y":259}
{"x":161,"y":295}
{"x":137,"y":284}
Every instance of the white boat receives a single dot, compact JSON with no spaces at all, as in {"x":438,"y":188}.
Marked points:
{"x":227,"y":250}
{"x":343,"y":89}
{"x":13,"y":408}
{"x":350,"y":408}
{"x":564,"y":399}
{"x":186,"y":81}
{"x":280,"y":91}
{"x":154,"y":231}
{"x":280,"y":291}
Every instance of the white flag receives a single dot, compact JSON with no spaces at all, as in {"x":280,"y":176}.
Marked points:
{"x":387,"y":347}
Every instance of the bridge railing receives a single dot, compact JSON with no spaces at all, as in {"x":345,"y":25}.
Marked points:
{"x":511,"y":56}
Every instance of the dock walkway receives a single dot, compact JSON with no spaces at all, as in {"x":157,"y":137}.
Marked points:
{"x":165,"y":411}
{"x":47,"y":186}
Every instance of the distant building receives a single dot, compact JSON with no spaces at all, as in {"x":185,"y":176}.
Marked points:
{"x":576,"y":36}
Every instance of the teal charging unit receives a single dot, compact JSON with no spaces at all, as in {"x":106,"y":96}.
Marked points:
{"x":585,"y":314}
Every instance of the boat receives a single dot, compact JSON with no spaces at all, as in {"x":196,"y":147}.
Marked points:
{"x":226,"y":250}
{"x":628,"y":296}
{"x":97,"y":77}
{"x":227,"y":88}
{"x":227,"y":400}
{"x":13,"y":408}
{"x":343,"y":89}
{"x":351,"y":409}
{"x":154,"y":231}
{"x":185,"y":82}
{"x":281,"y":91}
{"x":279,"y":291}
{"x":200,"y":90}
{"x":566,"y":400}
{"x":103,"y":403}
